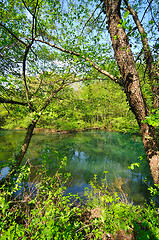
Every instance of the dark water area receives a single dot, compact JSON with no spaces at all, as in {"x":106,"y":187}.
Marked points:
{"x":88,"y":153}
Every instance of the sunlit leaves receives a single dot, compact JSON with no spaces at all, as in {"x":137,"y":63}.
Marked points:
{"x":153,"y":119}
{"x":73,"y":25}
{"x":126,"y":14}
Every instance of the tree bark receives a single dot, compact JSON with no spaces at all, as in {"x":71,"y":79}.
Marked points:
{"x":152,"y":68}
{"x":126,"y":63}
{"x":26,"y":143}
{"x":20,"y":155}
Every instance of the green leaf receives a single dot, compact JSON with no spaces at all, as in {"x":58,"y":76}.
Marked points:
{"x":126,"y":14}
{"x":115,"y":37}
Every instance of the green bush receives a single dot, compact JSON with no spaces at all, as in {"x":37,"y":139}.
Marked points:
{"x":117,"y":214}
{"x":47,"y":216}
{"x":51,"y":214}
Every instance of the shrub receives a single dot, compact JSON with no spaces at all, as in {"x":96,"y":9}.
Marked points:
{"x":51,"y":214}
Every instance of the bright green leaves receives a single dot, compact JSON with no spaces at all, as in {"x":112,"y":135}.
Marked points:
{"x":153,"y":118}
{"x":117,"y":213}
{"x":115,"y":37}
{"x":151,"y":22}
{"x":75,"y":58}
{"x":47,"y":215}
{"x":122,"y":23}
{"x":133,"y":165}
{"x":126,"y":14}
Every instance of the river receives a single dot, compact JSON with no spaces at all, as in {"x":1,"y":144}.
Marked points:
{"x":88,"y":153}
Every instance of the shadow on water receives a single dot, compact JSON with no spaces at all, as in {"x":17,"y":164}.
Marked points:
{"x":88,"y":153}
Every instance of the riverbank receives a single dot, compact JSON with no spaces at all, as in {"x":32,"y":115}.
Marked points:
{"x":53,"y":215}
{"x":68,"y":131}
{"x":60,"y":131}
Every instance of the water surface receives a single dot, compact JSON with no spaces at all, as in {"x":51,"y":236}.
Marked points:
{"x":88,"y":153}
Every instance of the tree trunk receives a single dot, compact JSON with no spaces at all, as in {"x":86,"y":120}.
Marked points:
{"x":27,"y":140}
{"x":21,"y":154}
{"x":126,"y":63}
{"x":152,"y":69}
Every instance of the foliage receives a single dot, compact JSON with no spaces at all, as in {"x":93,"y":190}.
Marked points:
{"x":97,"y":104}
{"x":153,"y":118}
{"x":81,"y":29}
{"x":117,"y":213}
{"x":77,"y":27}
{"x":44,"y":211}
{"x":52,"y":55}
{"x":48,"y":215}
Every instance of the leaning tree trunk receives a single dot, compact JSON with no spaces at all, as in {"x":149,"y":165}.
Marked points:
{"x":31,"y":127}
{"x":21,"y":154}
{"x":26,"y":143}
{"x":125,"y":61}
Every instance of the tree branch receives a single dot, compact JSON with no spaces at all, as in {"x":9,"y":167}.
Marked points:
{"x":3,"y":100}
{"x":47,"y":102}
{"x":146,"y":10}
{"x":8,"y":30}
{"x":90,"y":17}
{"x":157,"y":24}
{"x":116,"y":80}
{"x":34,"y":17}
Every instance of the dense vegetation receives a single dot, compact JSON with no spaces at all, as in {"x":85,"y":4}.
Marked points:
{"x":88,"y":104}
{"x":98,"y":104}
{"x":58,"y":71}
{"x":42,"y":210}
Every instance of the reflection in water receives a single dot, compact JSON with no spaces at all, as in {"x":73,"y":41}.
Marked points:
{"x":88,"y":153}
{"x":4,"y":172}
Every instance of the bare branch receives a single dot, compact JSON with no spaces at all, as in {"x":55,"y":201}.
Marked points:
{"x":146,"y":10}
{"x":95,"y":20}
{"x":102,"y":22}
{"x":157,"y":24}
{"x":28,"y":47}
{"x":24,"y":76}
{"x":90,"y":17}
{"x":27,"y":7}
{"x":34,"y":24}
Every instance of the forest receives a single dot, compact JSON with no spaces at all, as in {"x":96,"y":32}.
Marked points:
{"x":68,"y":67}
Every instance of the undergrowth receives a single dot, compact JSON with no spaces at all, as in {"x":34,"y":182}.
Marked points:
{"x":44,"y":211}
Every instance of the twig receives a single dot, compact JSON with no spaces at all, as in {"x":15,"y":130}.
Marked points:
{"x":90,"y":17}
